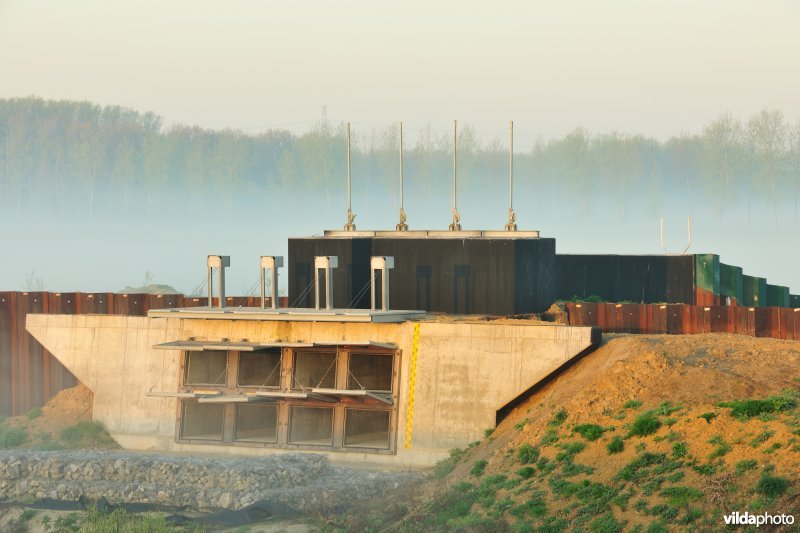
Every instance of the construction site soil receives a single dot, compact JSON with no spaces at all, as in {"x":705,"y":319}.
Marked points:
{"x":647,"y":433}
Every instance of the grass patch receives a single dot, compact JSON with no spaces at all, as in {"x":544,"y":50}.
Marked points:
{"x":12,"y":437}
{"x":478,"y":468}
{"x":558,"y":418}
{"x":616,"y":445}
{"x":526,"y":472}
{"x":772,"y":486}
{"x":34,"y":413}
{"x":527,"y":454}
{"x":570,"y":449}
{"x":708,"y":417}
{"x":638,"y":468}
{"x":445,"y":466}
{"x":666,"y":408}
{"x":721,"y":447}
{"x":86,"y":434}
{"x":679,"y":450}
{"x":746,"y":409}
{"x":488,"y":432}
{"x":590,"y":432}
{"x":745,"y":465}
{"x":645,"y":424}
{"x":680,"y":496}
{"x":550,"y":437}
{"x":632,"y":404}
{"x":761,"y":438}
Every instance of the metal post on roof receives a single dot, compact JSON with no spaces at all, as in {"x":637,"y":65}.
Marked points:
{"x":402,"y":226}
{"x":382,"y":264}
{"x":455,"y":225}
{"x":350,"y":226}
{"x":271,"y":263}
{"x":326,"y":263}
{"x":511,"y":225}
{"x":219,"y":262}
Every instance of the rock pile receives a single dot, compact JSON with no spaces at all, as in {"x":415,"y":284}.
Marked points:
{"x":303,"y":482}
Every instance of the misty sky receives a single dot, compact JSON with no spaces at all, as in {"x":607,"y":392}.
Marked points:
{"x":658,"y":68}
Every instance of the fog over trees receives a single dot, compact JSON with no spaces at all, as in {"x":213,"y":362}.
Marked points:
{"x":66,"y":162}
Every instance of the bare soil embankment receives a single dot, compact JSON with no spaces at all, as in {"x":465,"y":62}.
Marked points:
{"x":648,"y":433}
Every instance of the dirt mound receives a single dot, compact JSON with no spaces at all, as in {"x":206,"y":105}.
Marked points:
{"x":648,"y":433}
{"x":63,"y":422}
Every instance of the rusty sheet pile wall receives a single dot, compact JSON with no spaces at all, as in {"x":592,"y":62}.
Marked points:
{"x":775,"y":322}
{"x":29,"y":374}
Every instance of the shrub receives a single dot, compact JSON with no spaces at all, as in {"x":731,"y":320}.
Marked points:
{"x":590,"y":432}
{"x":85,"y":434}
{"x":478,"y":468}
{"x":680,"y":496}
{"x":666,"y":408}
{"x":34,"y":413}
{"x":679,"y":450}
{"x":526,"y":472}
{"x":745,"y":465}
{"x":559,"y":418}
{"x":708,"y":417}
{"x":616,"y":445}
{"x":527,"y":454}
{"x":12,"y":437}
{"x":772,"y":486}
{"x":570,"y":449}
{"x":645,"y":424}
{"x":488,"y":432}
{"x":549,"y":437}
{"x":632,"y":404}
{"x":720,"y":449}
{"x":746,"y":409}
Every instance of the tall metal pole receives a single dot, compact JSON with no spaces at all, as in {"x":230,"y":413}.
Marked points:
{"x":350,"y":226}
{"x":402,"y":226}
{"x":455,"y":225}
{"x":511,"y":225}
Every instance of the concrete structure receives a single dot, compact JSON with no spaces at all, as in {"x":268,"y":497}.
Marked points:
{"x":457,"y":272}
{"x":386,"y":393}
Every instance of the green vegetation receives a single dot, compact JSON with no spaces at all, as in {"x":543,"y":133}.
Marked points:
{"x":746,"y":409}
{"x":632,"y":404}
{"x":488,"y":432}
{"x":478,"y":468}
{"x":445,"y":466}
{"x":85,"y":434}
{"x":590,"y":432}
{"x":526,"y":472}
{"x":679,"y":450}
{"x":761,"y":438}
{"x":550,"y":437}
{"x":745,"y":465}
{"x":11,"y":437}
{"x":721,"y":447}
{"x":527,"y":454}
{"x":34,"y":413}
{"x":616,"y":445}
{"x":645,"y":424}
{"x":666,"y":408}
{"x":772,"y":486}
{"x":708,"y":417}
{"x":558,"y":418}
{"x":680,"y":496}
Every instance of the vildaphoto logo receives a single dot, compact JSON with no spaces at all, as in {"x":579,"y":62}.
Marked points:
{"x":747,"y":519}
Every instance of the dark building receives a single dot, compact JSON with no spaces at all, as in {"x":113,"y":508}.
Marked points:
{"x":493,"y":273}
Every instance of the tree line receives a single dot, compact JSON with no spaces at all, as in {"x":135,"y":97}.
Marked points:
{"x":78,"y":158}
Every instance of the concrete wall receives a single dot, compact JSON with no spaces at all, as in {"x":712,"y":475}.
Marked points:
{"x":466,"y":372}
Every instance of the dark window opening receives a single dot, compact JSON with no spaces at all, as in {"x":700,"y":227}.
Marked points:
{"x":370,"y":372}
{"x":311,"y":425}
{"x":314,"y":370}
{"x":260,"y":369}
{"x":206,"y":368}
{"x":202,"y":421}
{"x":256,"y":423}
{"x":366,"y":429}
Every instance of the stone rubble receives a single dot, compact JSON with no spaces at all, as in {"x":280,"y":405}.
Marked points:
{"x":305,"y":482}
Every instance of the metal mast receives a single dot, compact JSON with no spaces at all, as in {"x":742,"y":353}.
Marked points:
{"x":511,"y":225}
{"x":455,"y":225}
{"x":351,"y":217}
{"x":402,"y":226}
